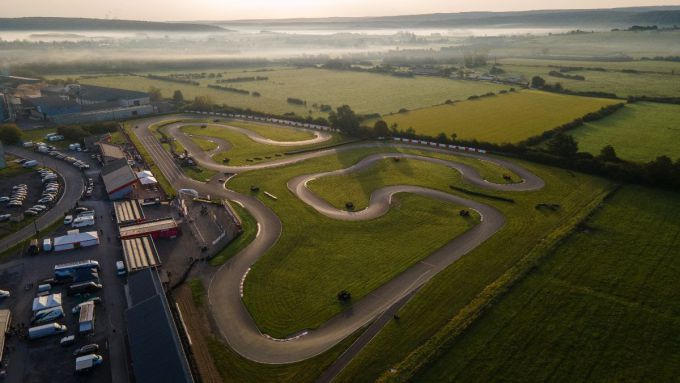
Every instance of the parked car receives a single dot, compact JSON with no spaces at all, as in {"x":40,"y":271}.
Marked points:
{"x":4,"y":199}
{"x":86,"y":349}
{"x":68,"y":219}
{"x":4,"y":294}
{"x":67,"y":341}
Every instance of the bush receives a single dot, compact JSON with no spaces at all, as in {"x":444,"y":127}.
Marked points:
{"x":10,"y":134}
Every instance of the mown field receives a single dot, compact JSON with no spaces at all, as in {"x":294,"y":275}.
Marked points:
{"x":274,"y":132}
{"x":639,"y":132}
{"x":351,"y":255}
{"x":604,"y":307}
{"x":527,"y":233}
{"x":244,"y":151}
{"x":364,"y":92}
{"x":502,"y":118}
{"x":357,"y":187}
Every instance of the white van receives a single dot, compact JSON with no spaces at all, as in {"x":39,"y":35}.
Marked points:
{"x":83,"y":221}
{"x":30,"y":164}
{"x":47,"y":244}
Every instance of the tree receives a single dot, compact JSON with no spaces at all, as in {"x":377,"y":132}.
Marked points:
{"x":563,"y":145}
{"x":380,"y":129}
{"x":344,"y":296}
{"x":344,"y":120}
{"x":442,"y":138}
{"x":178,"y":96}
{"x":203,"y":102}
{"x":10,"y":134}
{"x":608,"y":154}
{"x":155,"y":94}
{"x":73,"y":133}
{"x":537,"y":82}
{"x":454,"y":137}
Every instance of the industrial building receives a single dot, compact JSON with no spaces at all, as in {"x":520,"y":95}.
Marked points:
{"x":161,"y":228}
{"x":110,"y":152}
{"x":119,"y":179}
{"x":140,"y":253}
{"x":154,"y":340}
{"x":75,"y":239}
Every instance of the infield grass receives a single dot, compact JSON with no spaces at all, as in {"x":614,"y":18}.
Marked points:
{"x":604,"y":307}
{"x":639,"y":132}
{"x":357,"y":256}
{"x":510,"y":117}
{"x":245,"y":151}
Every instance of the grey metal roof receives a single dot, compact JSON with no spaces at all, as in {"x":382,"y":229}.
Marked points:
{"x":103,"y":94}
{"x":5,"y":316}
{"x":155,"y":347}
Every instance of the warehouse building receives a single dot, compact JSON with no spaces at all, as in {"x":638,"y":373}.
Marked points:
{"x":140,"y":253}
{"x":119,"y":179}
{"x":110,"y":152}
{"x":154,"y":340}
{"x":160,"y":228}
{"x":74,"y":239}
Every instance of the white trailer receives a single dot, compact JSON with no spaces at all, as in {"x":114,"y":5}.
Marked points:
{"x":38,"y":332}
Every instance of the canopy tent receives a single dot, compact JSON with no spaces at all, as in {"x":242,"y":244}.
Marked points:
{"x":144,"y":174}
{"x":46,"y":302}
{"x":148,"y":180}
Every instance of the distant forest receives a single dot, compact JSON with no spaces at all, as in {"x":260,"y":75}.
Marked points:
{"x":80,"y":24}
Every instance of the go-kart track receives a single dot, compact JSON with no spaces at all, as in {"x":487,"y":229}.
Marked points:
{"x":231,"y":315}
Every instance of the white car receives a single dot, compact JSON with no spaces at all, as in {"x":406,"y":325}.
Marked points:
{"x":4,"y":294}
{"x":68,"y":219}
{"x":4,"y":199}
{"x":31,"y":212}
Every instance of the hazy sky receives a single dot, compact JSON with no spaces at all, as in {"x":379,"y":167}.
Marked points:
{"x":241,"y":9}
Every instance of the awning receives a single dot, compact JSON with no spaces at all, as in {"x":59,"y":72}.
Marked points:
{"x":148,"y":180}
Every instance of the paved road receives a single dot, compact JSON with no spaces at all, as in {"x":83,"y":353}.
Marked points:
{"x":73,"y":190}
{"x":231,"y":315}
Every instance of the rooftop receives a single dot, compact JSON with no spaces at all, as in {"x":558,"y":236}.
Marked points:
{"x":117,"y":174}
{"x":140,"y":253}
{"x":155,"y":347}
{"x":147,"y":227}
{"x":112,"y":151}
{"x":103,"y":94}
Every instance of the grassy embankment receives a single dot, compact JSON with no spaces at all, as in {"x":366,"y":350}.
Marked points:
{"x":603,"y":307}
{"x":352,"y":254}
{"x":364,"y":92}
{"x":639,"y":132}
{"x":245,"y":151}
{"x":467,"y":287}
{"x":503,"y":118}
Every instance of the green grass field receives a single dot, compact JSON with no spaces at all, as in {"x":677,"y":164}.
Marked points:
{"x":364,"y":92}
{"x":660,"y":79}
{"x":205,"y":145}
{"x":503,"y":118}
{"x":336,"y":189}
{"x":245,"y":151}
{"x":526,"y":231}
{"x":639,"y":132}
{"x":604,"y":307}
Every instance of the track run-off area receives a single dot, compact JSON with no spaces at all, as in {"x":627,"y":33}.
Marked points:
{"x":224,"y":292}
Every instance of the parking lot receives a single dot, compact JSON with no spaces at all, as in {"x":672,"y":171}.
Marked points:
{"x":56,"y":363}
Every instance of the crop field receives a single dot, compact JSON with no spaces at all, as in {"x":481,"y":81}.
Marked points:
{"x":454,"y":288}
{"x":639,"y":132}
{"x":510,"y":117}
{"x":654,"y":78}
{"x":342,"y":255}
{"x":245,"y":151}
{"x":604,"y":307}
{"x":364,"y":92}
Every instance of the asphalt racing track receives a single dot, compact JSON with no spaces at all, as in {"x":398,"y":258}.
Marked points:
{"x":231,"y":315}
